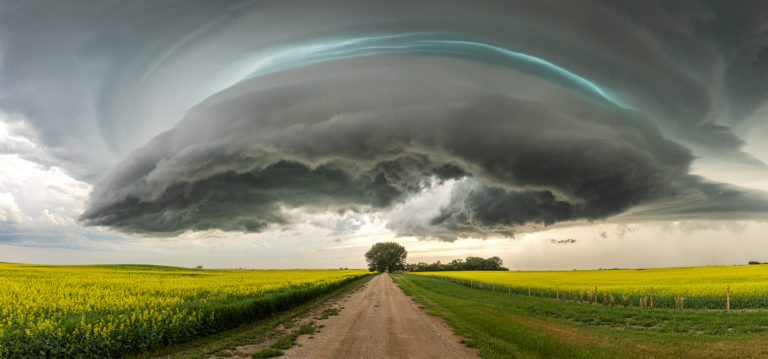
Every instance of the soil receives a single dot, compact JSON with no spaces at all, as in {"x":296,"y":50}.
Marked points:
{"x":380,"y":321}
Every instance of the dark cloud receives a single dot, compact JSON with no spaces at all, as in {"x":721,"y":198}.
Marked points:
{"x":99,"y":79}
{"x":562,"y":241}
{"x":43,"y":235}
{"x":250,"y":201}
{"x":482,"y":211}
{"x":742,"y":38}
{"x":227,"y":115}
{"x":365,"y":134}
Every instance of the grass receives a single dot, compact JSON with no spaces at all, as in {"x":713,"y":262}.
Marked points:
{"x":289,"y":340}
{"x":225,"y":344}
{"x":501,"y":325}
{"x":268,"y":353}
{"x":328,"y":312}
{"x":691,"y":287}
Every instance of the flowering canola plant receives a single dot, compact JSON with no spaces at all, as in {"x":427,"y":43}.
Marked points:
{"x":701,"y":287}
{"x":112,"y":310}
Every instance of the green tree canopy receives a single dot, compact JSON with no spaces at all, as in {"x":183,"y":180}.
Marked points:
{"x":472,"y":263}
{"x":386,"y":256}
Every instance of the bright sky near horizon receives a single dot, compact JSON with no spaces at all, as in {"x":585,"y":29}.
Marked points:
{"x":296,"y":134}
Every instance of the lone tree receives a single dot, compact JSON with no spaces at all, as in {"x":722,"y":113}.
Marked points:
{"x":386,"y":256}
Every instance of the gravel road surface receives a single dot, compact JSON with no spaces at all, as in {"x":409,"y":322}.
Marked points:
{"x":381,"y":322}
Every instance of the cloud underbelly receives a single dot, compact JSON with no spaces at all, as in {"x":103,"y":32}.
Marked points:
{"x":367,"y":133}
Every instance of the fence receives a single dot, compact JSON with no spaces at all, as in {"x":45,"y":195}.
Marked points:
{"x":595,"y":296}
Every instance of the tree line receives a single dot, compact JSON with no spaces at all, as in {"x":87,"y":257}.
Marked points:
{"x":390,"y":257}
{"x":471,"y":263}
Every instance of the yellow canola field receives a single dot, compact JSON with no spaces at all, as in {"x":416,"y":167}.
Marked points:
{"x":748,"y":283}
{"x":49,"y":308}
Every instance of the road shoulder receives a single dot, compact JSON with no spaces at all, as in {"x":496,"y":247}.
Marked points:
{"x":244,"y":341}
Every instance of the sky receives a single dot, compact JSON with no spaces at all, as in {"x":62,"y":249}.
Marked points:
{"x":296,"y":134}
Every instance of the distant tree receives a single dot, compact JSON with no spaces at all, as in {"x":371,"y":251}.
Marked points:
{"x":494,"y":263}
{"x":474,"y":263}
{"x":456,"y":264}
{"x":199,"y":267}
{"x":471,"y":263}
{"x":386,"y":256}
{"x":754,"y":262}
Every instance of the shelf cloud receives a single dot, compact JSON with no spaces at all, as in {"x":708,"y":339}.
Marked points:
{"x":232,"y":116}
{"x":365,"y":134}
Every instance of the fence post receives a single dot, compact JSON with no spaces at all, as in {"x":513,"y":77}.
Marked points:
{"x":557,"y":292}
{"x":595,"y":296}
{"x":651,"y":298}
{"x":509,"y":290}
{"x":728,"y":298}
{"x":481,"y":285}
{"x":470,"y":284}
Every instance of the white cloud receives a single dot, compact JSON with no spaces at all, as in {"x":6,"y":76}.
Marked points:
{"x":41,"y":194}
{"x":18,"y":138}
{"x":417,"y":211}
{"x":33,"y":192}
{"x":9,"y":211}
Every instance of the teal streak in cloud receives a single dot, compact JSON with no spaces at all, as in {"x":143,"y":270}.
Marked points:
{"x":290,"y":57}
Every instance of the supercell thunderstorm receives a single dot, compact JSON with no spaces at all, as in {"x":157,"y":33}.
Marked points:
{"x":530,"y":113}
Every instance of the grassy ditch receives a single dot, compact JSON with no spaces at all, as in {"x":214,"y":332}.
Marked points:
{"x":505,"y":325}
{"x":252,"y":339}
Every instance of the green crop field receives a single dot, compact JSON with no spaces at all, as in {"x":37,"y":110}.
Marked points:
{"x":743,"y":287}
{"x":113,"y":310}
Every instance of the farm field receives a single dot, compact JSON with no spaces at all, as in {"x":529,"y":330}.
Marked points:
{"x":500,"y":325}
{"x":681,"y":287}
{"x":113,"y":310}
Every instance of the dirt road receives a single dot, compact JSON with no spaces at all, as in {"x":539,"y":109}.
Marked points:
{"x":381,"y":322}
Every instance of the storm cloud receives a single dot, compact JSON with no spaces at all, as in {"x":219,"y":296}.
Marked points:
{"x":367,"y":133}
{"x":198,"y":115}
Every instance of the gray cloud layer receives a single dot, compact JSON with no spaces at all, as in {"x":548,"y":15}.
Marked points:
{"x":100,"y":78}
{"x":365,"y":134}
{"x":100,"y":82}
